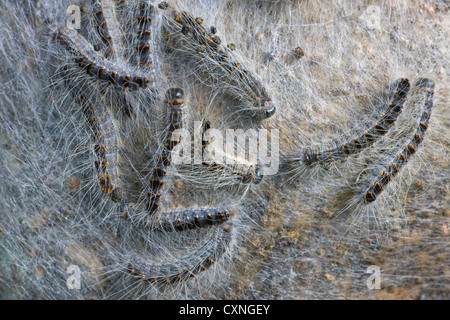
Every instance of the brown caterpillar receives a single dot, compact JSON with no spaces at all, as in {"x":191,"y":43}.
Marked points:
{"x":243,"y":171}
{"x":175,"y":102}
{"x":186,"y":267}
{"x":425,"y":88}
{"x":101,"y":25}
{"x":219,"y":62}
{"x":96,"y":66}
{"x":327,"y":154}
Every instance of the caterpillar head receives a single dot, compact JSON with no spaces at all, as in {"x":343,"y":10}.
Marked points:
{"x":175,"y":96}
{"x":267,"y":109}
{"x":258,"y":175}
{"x":309,"y":157}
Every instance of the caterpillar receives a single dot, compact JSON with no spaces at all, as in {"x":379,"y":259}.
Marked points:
{"x":186,"y":267}
{"x":176,"y":106}
{"x":244,"y":171}
{"x":105,"y":15}
{"x":95,"y":65}
{"x":99,"y":26}
{"x":325,"y":154}
{"x":182,"y":220}
{"x":139,"y":36}
{"x":193,"y":219}
{"x":104,"y":135}
{"x":218,"y":61}
{"x":145,"y":16}
{"x":425,"y":90}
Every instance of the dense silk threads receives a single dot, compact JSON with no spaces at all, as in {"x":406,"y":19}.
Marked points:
{"x":235,"y":168}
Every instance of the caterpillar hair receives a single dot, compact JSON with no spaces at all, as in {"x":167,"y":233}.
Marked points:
{"x":425,"y":90}
{"x":188,"y":266}
{"x":96,"y":66}
{"x":207,"y":50}
{"x":176,"y":110}
{"x":325,"y":154}
{"x":239,"y":169}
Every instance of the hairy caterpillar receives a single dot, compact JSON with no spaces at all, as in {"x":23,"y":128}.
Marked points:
{"x":425,"y":91}
{"x":244,"y":171}
{"x":325,"y":154}
{"x":95,"y":65}
{"x":105,"y":15}
{"x":219,"y":62}
{"x":182,"y":220}
{"x":140,"y":35}
{"x":104,"y":136}
{"x":193,"y":219}
{"x":102,"y":26}
{"x":141,"y":42}
{"x":188,"y":266}
{"x":176,"y":108}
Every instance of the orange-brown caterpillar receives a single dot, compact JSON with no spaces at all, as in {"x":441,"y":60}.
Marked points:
{"x":424,"y":87}
{"x":188,"y":266}
{"x":219,"y":61}
{"x":331,"y":152}
{"x":94,"y":65}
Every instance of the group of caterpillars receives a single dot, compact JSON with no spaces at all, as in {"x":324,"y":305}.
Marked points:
{"x":121,"y":61}
{"x":326,"y":155}
{"x":118,"y":64}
